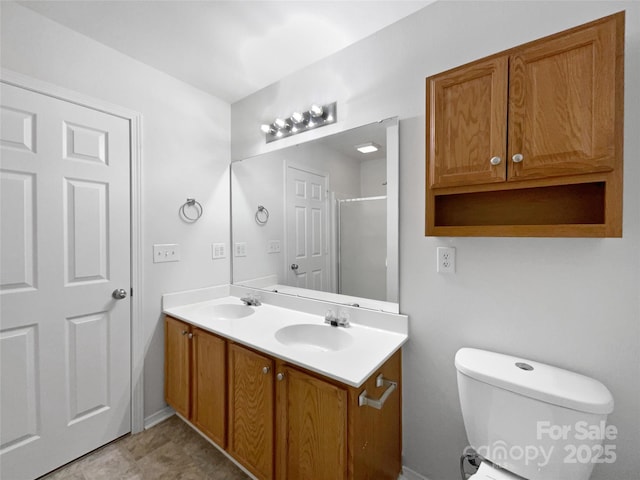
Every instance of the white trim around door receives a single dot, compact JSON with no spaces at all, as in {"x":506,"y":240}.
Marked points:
{"x":137,"y":280}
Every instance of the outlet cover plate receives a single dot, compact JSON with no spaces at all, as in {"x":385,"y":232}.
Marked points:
{"x":218,"y":250}
{"x":446,"y":259}
{"x":240,"y":249}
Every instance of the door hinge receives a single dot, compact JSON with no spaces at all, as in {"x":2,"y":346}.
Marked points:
{"x":131,"y":294}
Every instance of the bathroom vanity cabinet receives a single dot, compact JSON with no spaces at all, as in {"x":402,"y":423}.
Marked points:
{"x":282,"y":420}
{"x":528,"y":142}
{"x":195,"y":377}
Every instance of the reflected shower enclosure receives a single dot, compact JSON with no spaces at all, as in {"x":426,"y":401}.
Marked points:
{"x":362,"y":247}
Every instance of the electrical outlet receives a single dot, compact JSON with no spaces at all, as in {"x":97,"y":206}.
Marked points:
{"x":218,"y":250}
{"x":166,"y":252}
{"x":274,"y":246}
{"x":240,"y":249}
{"x":446,"y":259}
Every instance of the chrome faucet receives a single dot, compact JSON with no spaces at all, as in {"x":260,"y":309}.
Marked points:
{"x":342,"y":320}
{"x":251,"y":299}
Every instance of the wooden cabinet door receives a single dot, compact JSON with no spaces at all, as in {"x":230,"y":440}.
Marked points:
{"x":466,"y":124}
{"x":177,"y":382}
{"x":562,"y":103}
{"x":312,"y":427}
{"x":209,"y":385}
{"x":251,"y":410}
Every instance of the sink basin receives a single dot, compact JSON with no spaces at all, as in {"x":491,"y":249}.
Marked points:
{"x":314,"y":338}
{"x":226,"y":311}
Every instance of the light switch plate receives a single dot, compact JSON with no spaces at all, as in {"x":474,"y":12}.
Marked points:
{"x":166,"y":252}
{"x":274,"y":246}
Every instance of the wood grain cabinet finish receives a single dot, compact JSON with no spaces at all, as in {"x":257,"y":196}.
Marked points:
{"x":562,"y":104}
{"x":312,"y":427}
{"x":505,"y":132}
{"x":469,"y":109}
{"x":195,"y":377}
{"x":177,"y":366}
{"x":209,"y":385}
{"x":251,"y":407}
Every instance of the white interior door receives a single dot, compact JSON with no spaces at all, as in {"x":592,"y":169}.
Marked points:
{"x":65,"y":247}
{"x":307,"y":246}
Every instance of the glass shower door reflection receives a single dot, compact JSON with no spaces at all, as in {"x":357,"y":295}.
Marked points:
{"x":362,"y":247}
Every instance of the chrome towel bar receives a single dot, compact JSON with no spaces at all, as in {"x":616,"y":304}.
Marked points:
{"x":363,"y":399}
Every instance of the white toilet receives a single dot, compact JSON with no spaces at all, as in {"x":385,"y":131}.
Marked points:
{"x":530,"y":420}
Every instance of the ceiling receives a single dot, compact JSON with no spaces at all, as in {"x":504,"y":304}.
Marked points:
{"x":229,"y":49}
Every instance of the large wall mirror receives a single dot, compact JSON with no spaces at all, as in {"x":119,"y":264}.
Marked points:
{"x":320,"y":219}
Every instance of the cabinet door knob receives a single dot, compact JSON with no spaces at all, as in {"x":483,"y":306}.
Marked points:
{"x":190,"y":335}
{"x":265,"y":370}
{"x":495,"y":161}
{"x":184,"y":332}
{"x":280,"y":377}
{"x":517,"y":158}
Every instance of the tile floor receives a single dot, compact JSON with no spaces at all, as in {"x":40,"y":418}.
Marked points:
{"x":170,"y":450}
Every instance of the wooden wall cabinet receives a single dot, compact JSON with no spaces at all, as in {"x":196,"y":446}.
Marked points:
{"x":195,"y":377}
{"x":283,"y":422}
{"x":528,"y":142}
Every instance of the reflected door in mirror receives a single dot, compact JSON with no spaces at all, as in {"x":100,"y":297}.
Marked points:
{"x":307,"y":229}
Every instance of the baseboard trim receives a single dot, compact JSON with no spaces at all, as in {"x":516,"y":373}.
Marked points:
{"x":408,"y":474}
{"x":158,"y":417}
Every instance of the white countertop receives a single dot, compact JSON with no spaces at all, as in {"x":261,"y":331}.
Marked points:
{"x":370,"y":347}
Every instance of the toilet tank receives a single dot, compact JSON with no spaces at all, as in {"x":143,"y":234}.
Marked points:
{"x":535,"y":420}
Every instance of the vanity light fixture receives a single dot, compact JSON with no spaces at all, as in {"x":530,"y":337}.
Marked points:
{"x":368,"y":147}
{"x":300,"y":121}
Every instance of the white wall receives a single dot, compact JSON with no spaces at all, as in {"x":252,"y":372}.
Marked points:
{"x":570,"y":302}
{"x":185,"y":154}
{"x":373,"y":177}
{"x":258,"y":181}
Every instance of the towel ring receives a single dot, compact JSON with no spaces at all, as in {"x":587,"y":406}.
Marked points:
{"x":191,"y":202}
{"x":262,"y":215}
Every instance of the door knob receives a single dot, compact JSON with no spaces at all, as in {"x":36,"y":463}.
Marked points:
{"x":517,"y":158}
{"x":280,"y":377}
{"x":495,"y":161}
{"x":265,"y":370}
{"x":294,"y":266}
{"x":119,"y":293}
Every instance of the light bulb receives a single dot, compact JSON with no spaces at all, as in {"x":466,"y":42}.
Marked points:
{"x":297,"y":117}
{"x":316,"y":111}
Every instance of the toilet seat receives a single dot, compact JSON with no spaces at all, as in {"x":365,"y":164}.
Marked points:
{"x":489,"y":472}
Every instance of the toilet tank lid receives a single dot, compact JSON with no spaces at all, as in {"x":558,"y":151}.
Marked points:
{"x":542,"y":382}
